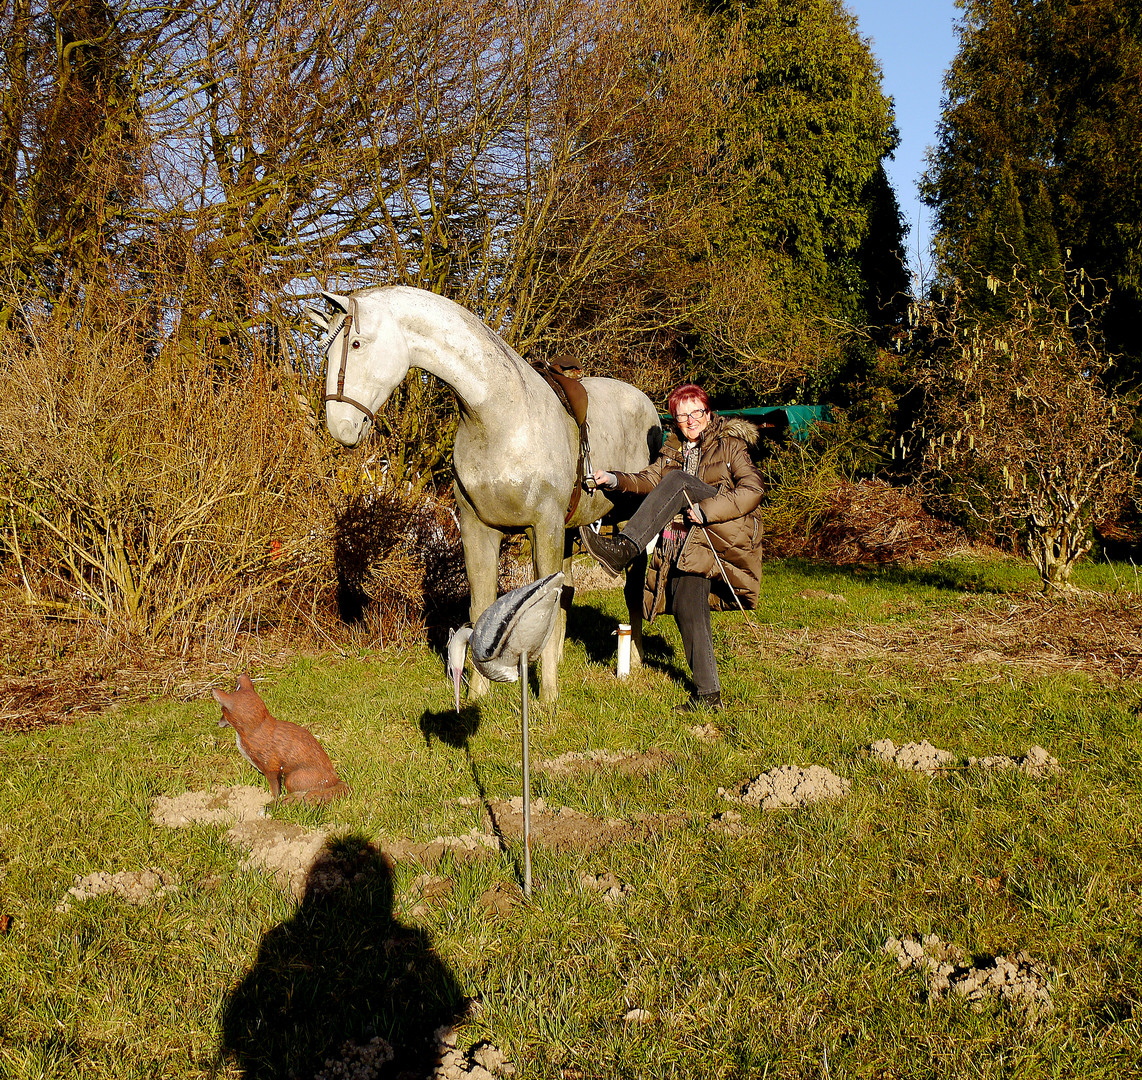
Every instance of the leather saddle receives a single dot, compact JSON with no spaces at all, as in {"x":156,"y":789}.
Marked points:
{"x":562,"y":373}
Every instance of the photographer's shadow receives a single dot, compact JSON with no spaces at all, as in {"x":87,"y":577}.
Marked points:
{"x":341,"y":970}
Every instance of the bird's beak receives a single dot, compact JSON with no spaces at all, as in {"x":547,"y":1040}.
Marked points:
{"x":457,"y":678}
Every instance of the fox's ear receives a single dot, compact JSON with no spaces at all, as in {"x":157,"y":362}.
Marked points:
{"x":244,"y":682}
{"x":219,"y":697}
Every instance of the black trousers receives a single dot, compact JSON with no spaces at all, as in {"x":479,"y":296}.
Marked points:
{"x":687,"y":595}
{"x":676,"y":491}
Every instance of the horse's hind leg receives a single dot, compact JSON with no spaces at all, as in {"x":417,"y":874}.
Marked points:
{"x":632,"y":593}
{"x":482,"y":562}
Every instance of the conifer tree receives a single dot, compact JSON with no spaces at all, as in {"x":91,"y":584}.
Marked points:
{"x":1043,"y":94}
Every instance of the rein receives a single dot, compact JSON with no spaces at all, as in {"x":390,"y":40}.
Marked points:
{"x":351,"y":316}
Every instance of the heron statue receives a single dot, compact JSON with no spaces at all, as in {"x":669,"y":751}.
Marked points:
{"x":513,"y":628}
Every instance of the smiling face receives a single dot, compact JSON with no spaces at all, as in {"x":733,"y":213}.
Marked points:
{"x":692,"y":418}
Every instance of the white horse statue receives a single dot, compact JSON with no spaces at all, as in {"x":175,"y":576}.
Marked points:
{"x":516,"y":454}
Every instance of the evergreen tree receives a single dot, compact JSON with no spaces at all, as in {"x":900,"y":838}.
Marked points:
{"x":1043,"y":94}
{"x":811,"y":207}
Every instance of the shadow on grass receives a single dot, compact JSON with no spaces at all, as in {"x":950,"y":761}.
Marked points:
{"x":450,"y":727}
{"x":456,"y":730}
{"x":972,"y":577}
{"x":341,"y":970}
{"x":595,"y":630}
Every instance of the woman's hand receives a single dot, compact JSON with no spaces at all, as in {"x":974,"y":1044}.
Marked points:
{"x":694,"y":514}
{"x":605,"y":479}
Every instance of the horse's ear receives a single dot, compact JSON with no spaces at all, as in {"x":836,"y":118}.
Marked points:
{"x":341,"y":303}
{"x":317,"y":318}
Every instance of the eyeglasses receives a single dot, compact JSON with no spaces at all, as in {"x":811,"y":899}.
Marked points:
{"x":686,"y":417}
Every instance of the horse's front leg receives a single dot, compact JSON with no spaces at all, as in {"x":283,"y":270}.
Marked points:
{"x":632,"y":593}
{"x":547,"y":557}
{"x":481,"y":545}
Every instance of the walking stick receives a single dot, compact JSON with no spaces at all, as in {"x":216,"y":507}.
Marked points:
{"x":725,"y":576}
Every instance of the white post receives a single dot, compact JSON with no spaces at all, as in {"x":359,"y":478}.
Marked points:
{"x":622,"y":662}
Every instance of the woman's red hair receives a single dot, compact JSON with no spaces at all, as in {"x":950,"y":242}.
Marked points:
{"x":689,"y":390}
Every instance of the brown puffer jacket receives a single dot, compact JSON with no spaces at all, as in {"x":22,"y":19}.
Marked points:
{"x":733,"y":516}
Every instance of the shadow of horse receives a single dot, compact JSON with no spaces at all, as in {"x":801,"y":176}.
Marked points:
{"x":595,"y":630}
{"x":341,"y":971}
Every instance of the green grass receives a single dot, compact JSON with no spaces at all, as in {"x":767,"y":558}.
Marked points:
{"x":757,"y":955}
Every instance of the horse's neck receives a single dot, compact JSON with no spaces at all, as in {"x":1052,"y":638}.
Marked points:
{"x":463,"y":353}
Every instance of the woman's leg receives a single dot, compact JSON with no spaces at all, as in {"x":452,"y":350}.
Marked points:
{"x":689,"y":597}
{"x":672,"y":495}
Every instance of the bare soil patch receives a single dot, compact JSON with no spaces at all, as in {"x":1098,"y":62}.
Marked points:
{"x":137,"y":887}
{"x":289,"y":852}
{"x":1095,"y":634}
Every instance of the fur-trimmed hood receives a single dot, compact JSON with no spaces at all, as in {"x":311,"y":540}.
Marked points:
{"x":737,"y":427}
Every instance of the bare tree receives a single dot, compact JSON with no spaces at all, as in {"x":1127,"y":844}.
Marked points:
{"x":1018,"y":425}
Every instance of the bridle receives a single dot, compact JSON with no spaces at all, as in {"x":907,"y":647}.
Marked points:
{"x":351,"y":316}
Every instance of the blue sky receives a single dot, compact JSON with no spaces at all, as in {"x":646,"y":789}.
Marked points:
{"x":914,"y":41}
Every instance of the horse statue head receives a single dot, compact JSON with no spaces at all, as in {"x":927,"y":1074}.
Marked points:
{"x":367,"y":358}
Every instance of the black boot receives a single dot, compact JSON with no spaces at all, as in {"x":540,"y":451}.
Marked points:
{"x":698,"y":702}
{"x":616,"y":552}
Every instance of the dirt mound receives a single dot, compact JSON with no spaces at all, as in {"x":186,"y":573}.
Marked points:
{"x":570,"y":829}
{"x":225,"y":807}
{"x":367,"y":1061}
{"x":921,"y":756}
{"x":1016,"y":981}
{"x":287,"y":851}
{"x":789,"y":785}
{"x":728,"y":823}
{"x":820,"y":594}
{"x":926,"y":758}
{"x":1036,"y":763}
{"x":606,"y":885}
{"x":136,"y":887}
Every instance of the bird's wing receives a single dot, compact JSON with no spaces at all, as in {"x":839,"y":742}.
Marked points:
{"x":520,"y":620}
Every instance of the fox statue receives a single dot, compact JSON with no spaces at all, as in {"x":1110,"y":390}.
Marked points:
{"x":287,"y":755}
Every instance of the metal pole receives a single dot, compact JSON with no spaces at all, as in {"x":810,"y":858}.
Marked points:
{"x":526,"y":777}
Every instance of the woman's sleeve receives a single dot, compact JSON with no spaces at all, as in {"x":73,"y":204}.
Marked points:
{"x":640,"y":483}
{"x":747,"y":491}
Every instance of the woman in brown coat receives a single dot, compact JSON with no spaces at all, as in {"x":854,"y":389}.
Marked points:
{"x":703,"y":494}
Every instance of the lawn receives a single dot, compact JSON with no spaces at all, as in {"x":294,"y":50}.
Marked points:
{"x":727,"y":946}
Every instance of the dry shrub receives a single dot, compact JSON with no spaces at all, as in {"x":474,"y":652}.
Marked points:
{"x":799,"y":479}
{"x":179,"y":502}
{"x":814,"y":511}
{"x":874,"y":522}
{"x":156,"y":492}
{"x":398,"y":562}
